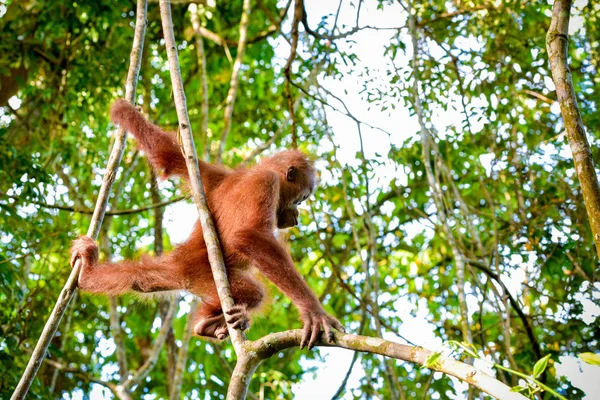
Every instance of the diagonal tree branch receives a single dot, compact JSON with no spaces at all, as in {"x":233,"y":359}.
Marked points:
{"x":557,"y":43}
{"x":312,"y":78}
{"x":189,"y":150}
{"x":115,"y":159}
{"x":63,"y":342}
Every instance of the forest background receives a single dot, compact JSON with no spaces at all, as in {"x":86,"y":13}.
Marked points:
{"x":497,"y":252}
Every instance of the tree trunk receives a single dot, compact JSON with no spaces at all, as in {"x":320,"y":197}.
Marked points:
{"x":557,"y":42}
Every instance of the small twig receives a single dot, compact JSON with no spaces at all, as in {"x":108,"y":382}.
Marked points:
{"x":281,"y":126}
{"x":530,"y":334}
{"x":182,"y":354}
{"x":165,"y":305}
{"x":203,"y":83}
{"x":145,"y":369}
{"x":79,"y":210}
{"x":539,"y":96}
{"x":337,"y":15}
{"x":346,"y":113}
{"x":235,"y":78}
{"x":453,"y":14}
{"x":111,"y":386}
{"x":63,"y":341}
{"x":342,"y":386}
{"x":226,"y":43}
{"x":287,"y":70}
{"x":332,"y":36}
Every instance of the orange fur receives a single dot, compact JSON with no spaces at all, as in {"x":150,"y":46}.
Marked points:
{"x":247,"y":205}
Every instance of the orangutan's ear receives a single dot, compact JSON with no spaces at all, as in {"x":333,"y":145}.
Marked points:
{"x":291,"y":174}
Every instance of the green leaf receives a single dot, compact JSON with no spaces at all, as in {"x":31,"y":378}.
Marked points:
{"x":590,"y":358}
{"x":518,"y":388}
{"x":540,"y":366}
{"x":431,"y":360}
{"x":468,"y":348}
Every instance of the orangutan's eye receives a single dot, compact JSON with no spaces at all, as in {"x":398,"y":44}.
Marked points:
{"x":303,"y":198}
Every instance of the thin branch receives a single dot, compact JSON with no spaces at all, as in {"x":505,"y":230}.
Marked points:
{"x":150,"y":362}
{"x":203,"y":82}
{"x":165,"y":305}
{"x":262,"y":147}
{"x":115,"y":318}
{"x":534,"y":342}
{"x":66,"y":181}
{"x":182,"y":354}
{"x":274,"y":22}
{"x":226,"y":43}
{"x":270,"y":345}
{"x":215,"y":256}
{"x":426,"y":388}
{"x":578,"y":267}
{"x":63,"y":341}
{"x":117,"y":332}
{"x":331,"y":37}
{"x":208,"y":34}
{"x":282,"y":125}
{"x":287,"y":70}
{"x":233,"y":43}
{"x":346,"y":111}
{"x":133,"y":162}
{"x":80,"y":210}
{"x":539,"y":96}
{"x":453,"y":14}
{"x":85,"y":375}
{"x":70,"y":287}
{"x":235,"y":78}
{"x":342,"y":386}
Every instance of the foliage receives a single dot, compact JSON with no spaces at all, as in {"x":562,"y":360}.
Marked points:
{"x":370,"y":243}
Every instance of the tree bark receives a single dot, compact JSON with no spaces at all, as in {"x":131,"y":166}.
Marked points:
{"x":557,"y":42}
{"x":215,"y":256}
{"x":270,"y":345}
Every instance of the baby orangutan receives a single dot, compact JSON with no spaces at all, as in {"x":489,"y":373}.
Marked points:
{"x":247,"y":205}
